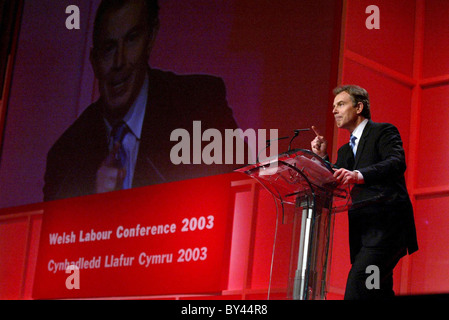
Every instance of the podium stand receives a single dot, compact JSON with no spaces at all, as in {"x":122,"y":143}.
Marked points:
{"x":304,"y":180}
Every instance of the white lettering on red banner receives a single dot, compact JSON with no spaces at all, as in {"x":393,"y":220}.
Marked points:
{"x":172,"y":238}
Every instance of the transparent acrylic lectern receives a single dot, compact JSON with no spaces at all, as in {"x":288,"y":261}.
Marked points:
{"x":305,"y":181}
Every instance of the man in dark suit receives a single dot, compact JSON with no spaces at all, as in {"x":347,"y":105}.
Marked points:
{"x":124,"y":139}
{"x":381,"y":223}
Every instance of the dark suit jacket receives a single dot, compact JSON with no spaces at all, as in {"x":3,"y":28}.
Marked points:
{"x":174,"y":101}
{"x":381,"y":214}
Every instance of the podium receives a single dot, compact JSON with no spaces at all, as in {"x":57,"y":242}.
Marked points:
{"x":304,"y":180}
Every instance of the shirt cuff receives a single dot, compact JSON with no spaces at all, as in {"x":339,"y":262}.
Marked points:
{"x":360,"y":179}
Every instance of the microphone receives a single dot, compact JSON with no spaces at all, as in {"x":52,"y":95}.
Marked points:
{"x":296,"y":131}
{"x":268,"y":145}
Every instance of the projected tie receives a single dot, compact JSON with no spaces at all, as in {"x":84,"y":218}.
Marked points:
{"x":352,"y":143}
{"x":117,"y":134}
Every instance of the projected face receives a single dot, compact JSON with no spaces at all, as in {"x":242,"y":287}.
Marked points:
{"x":120,"y":56}
{"x":345,"y":113}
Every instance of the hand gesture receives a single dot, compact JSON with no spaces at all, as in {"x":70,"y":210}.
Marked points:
{"x":110,"y":175}
{"x":319,"y":144}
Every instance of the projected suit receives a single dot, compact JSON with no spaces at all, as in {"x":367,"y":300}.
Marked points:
{"x":174,"y":102}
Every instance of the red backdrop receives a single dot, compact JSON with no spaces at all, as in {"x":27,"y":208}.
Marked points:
{"x":405,"y":67}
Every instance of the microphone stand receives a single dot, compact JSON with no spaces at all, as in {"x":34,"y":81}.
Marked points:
{"x":297,"y":131}
{"x":268,"y":145}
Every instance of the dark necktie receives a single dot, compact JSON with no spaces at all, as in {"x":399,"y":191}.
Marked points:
{"x":352,"y":143}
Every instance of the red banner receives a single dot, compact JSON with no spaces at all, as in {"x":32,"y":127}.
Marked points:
{"x":171,"y":238}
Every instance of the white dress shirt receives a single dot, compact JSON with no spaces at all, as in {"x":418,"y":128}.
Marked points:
{"x":358,"y":134}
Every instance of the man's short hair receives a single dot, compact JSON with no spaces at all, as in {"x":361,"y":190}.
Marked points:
{"x":358,"y":94}
{"x":152,"y":7}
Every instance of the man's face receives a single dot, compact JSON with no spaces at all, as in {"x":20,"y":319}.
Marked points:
{"x":345,"y":113}
{"x":120,"y":57}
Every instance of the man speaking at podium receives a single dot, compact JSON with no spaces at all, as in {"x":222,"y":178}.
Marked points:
{"x":381,"y":223}
{"x":123,"y":139}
